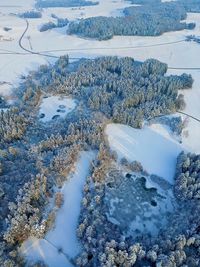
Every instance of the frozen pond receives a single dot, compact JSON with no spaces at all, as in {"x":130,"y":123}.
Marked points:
{"x":55,"y":107}
{"x":138,"y":204}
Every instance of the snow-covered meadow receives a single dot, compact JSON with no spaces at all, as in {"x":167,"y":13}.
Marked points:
{"x":157,"y":152}
{"x":55,"y":107}
{"x":61,"y":244}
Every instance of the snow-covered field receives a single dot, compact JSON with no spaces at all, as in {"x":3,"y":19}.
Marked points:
{"x":61,"y":242}
{"x":55,"y":107}
{"x":157,"y":152}
{"x":12,"y":66}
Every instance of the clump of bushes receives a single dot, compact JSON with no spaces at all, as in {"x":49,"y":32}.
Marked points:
{"x":51,"y":25}
{"x":31,"y":14}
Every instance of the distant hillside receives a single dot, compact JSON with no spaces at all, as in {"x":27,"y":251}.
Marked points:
{"x":189,"y":5}
{"x":64,"y":3}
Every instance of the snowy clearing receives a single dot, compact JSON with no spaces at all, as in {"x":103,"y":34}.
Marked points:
{"x":163,"y":130}
{"x":63,"y":235}
{"x":55,"y":107}
{"x":154,"y":151}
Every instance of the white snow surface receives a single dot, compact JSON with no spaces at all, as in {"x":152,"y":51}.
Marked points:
{"x":56,"y":105}
{"x":63,"y":235}
{"x":156,"y":152}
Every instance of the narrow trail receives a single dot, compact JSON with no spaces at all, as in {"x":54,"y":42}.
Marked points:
{"x":179,"y":112}
{"x":68,"y":258}
{"x":27,"y":50}
{"x":188,"y":115}
{"x":114,"y":48}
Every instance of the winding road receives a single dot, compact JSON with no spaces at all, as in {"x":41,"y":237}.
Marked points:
{"x":30,"y":51}
{"x":179,"y":112}
{"x":188,"y":115}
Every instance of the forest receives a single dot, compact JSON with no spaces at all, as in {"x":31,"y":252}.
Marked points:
{"x":176,"y":245}
{"x":35,"y":157}
{"x":31,"y":15}
{"x":64,"y":3}
{"x":193,"y":38}
{"x":145,"y":20}
{"x":189,"y":5}
{"x":123,"y":89}
{"x":52,"y":25}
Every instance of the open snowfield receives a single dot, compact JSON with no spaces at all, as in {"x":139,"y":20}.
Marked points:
{"x":156,"y":152}
{"x":63,"y":235}
{"x":55,"y":106}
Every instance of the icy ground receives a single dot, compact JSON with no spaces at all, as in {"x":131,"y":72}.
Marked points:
{"x":138,"y":205}
{"x":61,"y":242}
{"x":55,"y":107}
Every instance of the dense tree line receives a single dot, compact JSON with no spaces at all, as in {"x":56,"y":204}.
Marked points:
{"x":46,"y":76}
{"x":64,"y":3}
{"x":12,"y":125}
{"x":189,"y":5}
{"x":3,"y":103}
{"x":122,"y":89}
{"x":187,"y":179}
{"x":146,"y":20}
{"x":31,"y":14}
{"x":144,"y":2}
{"x":27,"y":212}
{"x":126,"y":91}
{"x":60,"y":23}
